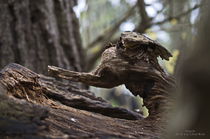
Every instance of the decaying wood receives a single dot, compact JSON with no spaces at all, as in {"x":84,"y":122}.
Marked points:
{"x":34,"y":105}
{"x":37,"y":106}
{"x":33,"y":96}
{"x":25,"y":84}
{"x":133,"y":62}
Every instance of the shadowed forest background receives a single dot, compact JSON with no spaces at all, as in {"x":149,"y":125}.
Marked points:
{"x":73,"y":34}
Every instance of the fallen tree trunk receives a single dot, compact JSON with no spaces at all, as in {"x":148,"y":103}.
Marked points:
{"x":36,"y":106}
{"x":33,"y":105}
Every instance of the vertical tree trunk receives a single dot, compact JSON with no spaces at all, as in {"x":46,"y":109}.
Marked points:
{"x":37,"y":33}
{"x":179,"y":42}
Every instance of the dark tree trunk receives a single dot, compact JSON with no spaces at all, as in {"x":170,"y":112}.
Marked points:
{"x":37,"y":33}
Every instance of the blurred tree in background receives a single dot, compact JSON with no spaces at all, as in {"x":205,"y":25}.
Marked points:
{"x":190,"y":119}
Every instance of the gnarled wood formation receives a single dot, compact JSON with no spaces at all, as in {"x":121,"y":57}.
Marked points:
{"x":37,"y":106}
{"x":136,"y":67}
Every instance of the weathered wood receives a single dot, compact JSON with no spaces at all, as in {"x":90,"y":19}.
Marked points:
{"x":49,"y":108}
{"x":19,"y":118}
{"x":55,"y":109}
{"x":133,"y":62}
{"x":23,"y":83}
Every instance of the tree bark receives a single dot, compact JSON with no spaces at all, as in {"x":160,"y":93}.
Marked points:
{"x":37,"y":106}
{"x":53,"y":109}
{"x":40,"y":33}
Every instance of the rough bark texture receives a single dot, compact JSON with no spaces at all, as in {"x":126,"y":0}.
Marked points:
{"x":44,"y":32}
{"x":133,"y":62}
{"x":37,"y":106}
{"x":36,"y":33}
{"x":135,"y":66}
